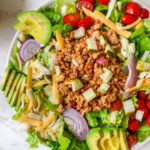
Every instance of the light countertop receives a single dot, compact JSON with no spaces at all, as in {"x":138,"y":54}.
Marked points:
{"x":12,"y":134}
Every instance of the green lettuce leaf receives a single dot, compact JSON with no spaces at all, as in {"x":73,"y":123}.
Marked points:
{"x":54,"y":145}
{"x":45,"y":59}
{"x":147,"y":24}
{"x":33,"y":139}
{"x":134,"y":99}
{"x":143,"y":131}
{"x":120,"y":117}
{"x":17,"y":114}
{"x":62,"y":28}
{"x":100,"y":7}
{"x":53,"y":16}
{"x":148,"y":59}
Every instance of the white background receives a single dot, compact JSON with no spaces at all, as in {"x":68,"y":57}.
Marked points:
{"x":12,"y":135}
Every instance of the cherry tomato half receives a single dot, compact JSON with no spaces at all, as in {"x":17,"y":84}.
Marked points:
{"x":116,"y":105}
{"x":148,"y":120}
{"x":86,"y":22}
{"x":104,"y":2}
{"x":142,"y":94}
{"x":128,"y":19}
{"x":72,"y":18}
{"x":145,"y":110}
{"x":132,"y":139}
{"x":85,"y":4}
{"x":141,"y":104}
{"x":144,"y":13}
{"x":91,"y":1}
{"x":133,"y":8}
{"x":148,"y":104}
{"x":133,"y":125}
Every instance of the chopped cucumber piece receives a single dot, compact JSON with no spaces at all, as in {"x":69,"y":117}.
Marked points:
{"x":119,"y":55}
{"x":113,"y":117}
{"x":102,"y":40}
{"x":107,"y":75}
{"x":143,"y":66}
{"x":144,"y":75}
{"x":124,"y":53}
{"x":128,"y":106}
{"x":124,"y":42}
{"x":131,"y":47}
{"x":104,"y":88}
{"x":92,"y":45}
{"x":139,"y":115}
{"x":79,"y":33}
{"x":89,"y":94}
{"x":76,"y":84}
{"x":109,"y":50}
{"x":145,"y":55}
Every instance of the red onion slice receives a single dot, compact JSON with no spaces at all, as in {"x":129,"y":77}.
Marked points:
{"x":28,"y":49}
{"x":133,"y":75}
{"x":101,"y":60}
{"x":76,"y":123}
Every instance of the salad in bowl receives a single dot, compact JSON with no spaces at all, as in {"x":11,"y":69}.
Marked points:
{"x":79,"y":74}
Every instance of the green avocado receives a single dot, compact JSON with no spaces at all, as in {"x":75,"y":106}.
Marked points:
{"x":13,"y":87}
{"x":21,"y":92}
{"x":35,"y":24}
{"x":92,"y":139}
{"x":10,"y":82}
{"x":17,"y":90}
{"x":5,"y":78}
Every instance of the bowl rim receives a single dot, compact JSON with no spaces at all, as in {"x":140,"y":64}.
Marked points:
{"x":14,"y":40}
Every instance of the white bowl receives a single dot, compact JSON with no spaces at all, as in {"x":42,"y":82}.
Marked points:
{"x":144,"y":4}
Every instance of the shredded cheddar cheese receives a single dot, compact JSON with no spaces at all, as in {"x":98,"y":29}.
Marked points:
{"x":60,"y":39}
{"x":39,"y":83}
{"x":98,"y":15}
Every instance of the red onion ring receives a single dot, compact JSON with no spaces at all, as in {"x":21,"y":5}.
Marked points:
{"x":133,"y":75}
{"x":101,"y":60}
{"x":28,"y":49}
{"x":77,"y":124}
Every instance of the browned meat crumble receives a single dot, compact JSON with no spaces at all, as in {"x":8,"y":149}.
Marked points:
{"x":89,"y":71}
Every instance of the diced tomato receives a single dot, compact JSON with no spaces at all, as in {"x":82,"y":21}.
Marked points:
{"x":91,"y":1}
{"x":133,"y":8}
{"x":141,"y":104}
{"x":86,"y":22}
{"x":116,"y":105}
{"x":148,"y":104}
{"x":148,"y":120}
{"x":132,"y":139}
{"x":142,"y":94}
{"x":86,"y":88}
{"x":145,"y":110}
{"x":85,"y":4}
{"x":133,"y":125}
{"x":144,"y":13}
{"x":104,"y":2}
{"x":72,"y":18}
{"x":128,"y":19}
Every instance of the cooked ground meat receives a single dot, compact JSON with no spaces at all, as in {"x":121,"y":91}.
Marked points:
{"x":89,"y":71}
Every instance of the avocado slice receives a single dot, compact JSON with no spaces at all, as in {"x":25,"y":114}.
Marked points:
{"x":17,"y":90}
{"x":13,"y":87}
{"x":5,"y":78}
{"x":9,"y":83}
{"x":92,"y":139}
{"x":35,"y":24}
{"x":22,"y":88}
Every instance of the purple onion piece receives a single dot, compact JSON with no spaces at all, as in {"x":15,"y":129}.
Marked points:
{"x":28,"y":49}
{"x":77,"y":124}
{"x":133,"y":75}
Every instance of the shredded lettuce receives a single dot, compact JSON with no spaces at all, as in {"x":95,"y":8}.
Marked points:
{"x":62,"y":28}
{"x":120,"y":117}
{"x":147,"y":24}
{"x":17,"y":114}
{"x":54,"y":145}
{"x":143,"y":131}
{"x":33,"y":139}
{"x":45,"y":59}
{"x":100,"y":7}
{"x":134,"y":99}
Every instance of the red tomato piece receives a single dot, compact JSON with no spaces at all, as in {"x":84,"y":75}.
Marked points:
{"x":144,"y":13}
{"x":133,"y":8}
{"x":142,"y":94}
{"x":141,"y":104}
{"x":116,"y":105}
{"x":148,"y":120}
{"x":133,"y":125}
{"x":148,"y":104}
{"x":72,"y":18}
{"x":86,"y":22}
{"x":104,"y":2}
{"x":128,"y":19}
{"x":85,"y":4}
{"x":132,"y":139}
{"x":145,"y":110}
{"x":91,"y":1}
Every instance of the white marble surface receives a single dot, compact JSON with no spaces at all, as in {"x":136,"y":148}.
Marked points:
{"x":12,"y":134}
